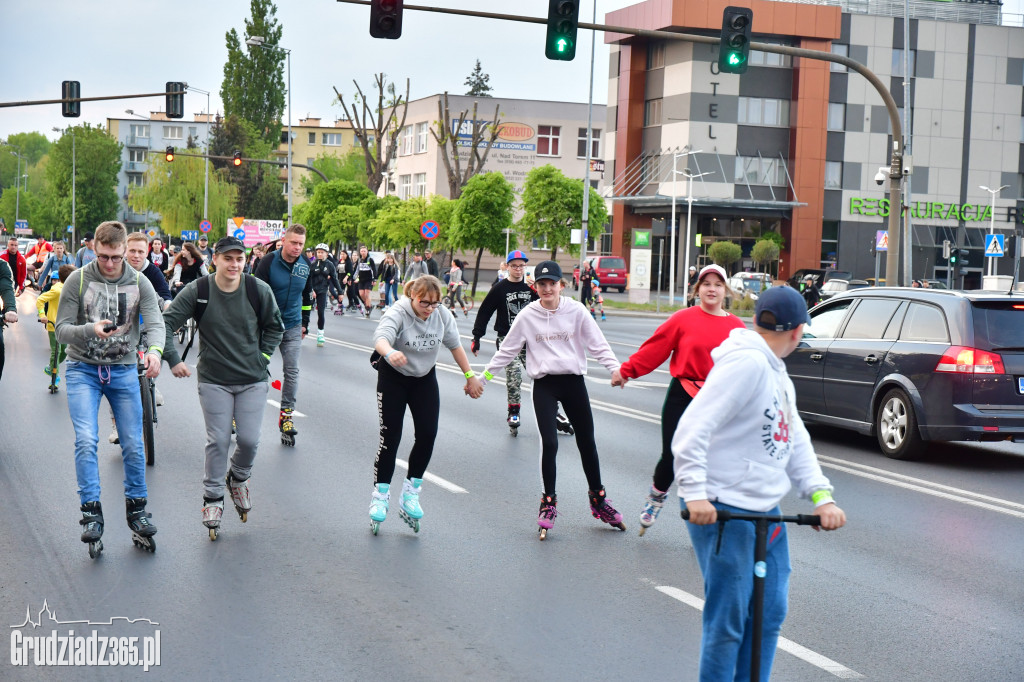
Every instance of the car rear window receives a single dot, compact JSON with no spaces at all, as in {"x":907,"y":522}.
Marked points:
{"x":999,"y":325}
{"x":924,"y":323}
{"x":612,"y":263}
{"x":871,"y":318}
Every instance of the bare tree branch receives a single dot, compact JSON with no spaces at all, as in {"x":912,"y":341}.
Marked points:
{"x":447,"y":137}
{"x":382,"y":124}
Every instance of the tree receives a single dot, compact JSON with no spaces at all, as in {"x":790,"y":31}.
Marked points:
{"x":553,"y":206}
{"x":396,"y":224}
{"x":483,"y":213}
{"x":259,"y":189}
{"x":725,"y":254}
{"x":97,"y":164}
{"x":453,"y":145}
{"x":478,"y":82}
{"x":765,"y":252}
{"x":373,"y":124}
{"x":32,"y":147}
{"x":320,"y":214}
{"x":253,"y":86}
{"x":176,"y":191}
{"x":349,"y":167}
{"x":28,"y":207}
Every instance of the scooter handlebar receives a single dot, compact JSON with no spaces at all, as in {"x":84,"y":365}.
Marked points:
{"x":799,"y":519}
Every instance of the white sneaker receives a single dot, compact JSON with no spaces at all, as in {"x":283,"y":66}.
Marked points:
{"x":159,"y":397}
{"x":112,"y":438}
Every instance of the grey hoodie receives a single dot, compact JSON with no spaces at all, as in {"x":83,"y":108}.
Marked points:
{"x":89,"y":297}
{"x":420,"y":340}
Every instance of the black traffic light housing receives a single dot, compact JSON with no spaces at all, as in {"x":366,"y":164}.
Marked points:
{"x":169,"y":154}
{"x":386,"y":19}
{"x":236,"y":161}
{"x":734,"y":52}
{"x":563,"y":21}
{"x":70,"y":90}
{"x":175,"y":99}
{"x":954,"y":256}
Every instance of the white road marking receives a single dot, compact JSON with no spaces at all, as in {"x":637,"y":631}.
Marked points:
{"x":787,"y":645}
{"x":295,"y":413}
{"x":436,"y":480}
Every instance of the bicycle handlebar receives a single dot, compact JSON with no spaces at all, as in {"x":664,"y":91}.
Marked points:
{"x":799,"y":519}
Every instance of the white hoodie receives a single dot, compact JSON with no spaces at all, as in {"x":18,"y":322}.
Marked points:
{"x":557,"y":341}
{"x":741,"y":441}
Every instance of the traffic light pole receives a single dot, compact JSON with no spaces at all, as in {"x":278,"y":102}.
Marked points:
{"x":896,"y":162}
{"x":32,"y":103}
{"x":279,"y":164}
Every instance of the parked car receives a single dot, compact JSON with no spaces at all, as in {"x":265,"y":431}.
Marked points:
{"x":837,"y":286}
{"x":820,"y":276}
{"x":752,"y":283}
{"x":611,"y":272}
{"x":914,"y":365}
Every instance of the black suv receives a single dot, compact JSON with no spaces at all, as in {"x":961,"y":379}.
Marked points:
{"x":914,"y":365}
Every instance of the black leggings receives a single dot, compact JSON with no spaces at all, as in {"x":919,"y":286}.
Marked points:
{"x":321,"y":305}
{"x":352,"y":292}
{"x":676,"y":402}
{"x":395,"y":392}
{"x":571,"y":391}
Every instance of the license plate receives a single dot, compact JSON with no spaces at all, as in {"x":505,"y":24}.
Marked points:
{"x":1020,"y":385}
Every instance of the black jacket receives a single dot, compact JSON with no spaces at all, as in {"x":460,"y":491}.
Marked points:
{"x":506,"y":298}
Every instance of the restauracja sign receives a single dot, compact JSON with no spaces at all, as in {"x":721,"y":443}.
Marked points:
{"x":932,"y":210}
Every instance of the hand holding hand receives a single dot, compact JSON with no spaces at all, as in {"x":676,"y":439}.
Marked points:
{"x":618,"y":379}
{"x":474,"y":388}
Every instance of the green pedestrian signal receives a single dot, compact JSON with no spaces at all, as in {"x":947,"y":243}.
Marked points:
{"x":954,"y":256}
{"x":563,"y":17}
{"x":734,"y":50}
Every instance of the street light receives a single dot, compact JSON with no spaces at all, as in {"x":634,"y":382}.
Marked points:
{"x":73,"y":174}
{"x":206,"y":162}
{"x":672,"y":231}
{"x":992,"y":224}
{"x":132,"y":113}
{"x":258,"y":41}
{"x":17,"y":191}
{"x":689,"y":204}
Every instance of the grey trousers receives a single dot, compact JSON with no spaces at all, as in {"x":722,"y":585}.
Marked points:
{"x":291,"y":344}
{"x":220,"y":403}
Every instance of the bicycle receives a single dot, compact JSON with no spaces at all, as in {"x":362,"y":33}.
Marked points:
{"x":187,"y":330}
{"x":147,"y":388}
{"x":449,"y":301}
{"x":54,"y":365}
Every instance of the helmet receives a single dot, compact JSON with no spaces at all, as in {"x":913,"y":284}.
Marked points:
{"x":323,"y":247}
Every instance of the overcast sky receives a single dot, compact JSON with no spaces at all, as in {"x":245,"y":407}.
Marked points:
{"x":131,"y":46}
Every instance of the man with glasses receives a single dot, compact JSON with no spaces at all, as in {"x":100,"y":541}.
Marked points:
{"x":99,"y":320}
{"x":508,"y":297}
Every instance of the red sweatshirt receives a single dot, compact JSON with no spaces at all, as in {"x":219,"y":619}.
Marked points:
{"x":19,"y":267}
{"x":688,"y":336}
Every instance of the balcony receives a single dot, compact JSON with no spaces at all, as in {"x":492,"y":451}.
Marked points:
{"x":136,"y":167}
{"x":137,"y":141}
{"x":132,"y":218}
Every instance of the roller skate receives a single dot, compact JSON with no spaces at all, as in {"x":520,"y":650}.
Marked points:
{"x":320,"y":339}
{"x":239,"y":495}
{"x":513,"y":419}
{"x":92,"y":531}
{"x":602,"y":509}
{"x":339,"y":310}
{"x":213,"y":511}
{"x":548,"y":512}
{"x":379,"y":505}
{"x":603,"y":318}
{"x":142,"y":528}
{"x":563,"y":425}
{"x":655,"y":501}
{"x":287,"y":427}
{"x":410,"y":509}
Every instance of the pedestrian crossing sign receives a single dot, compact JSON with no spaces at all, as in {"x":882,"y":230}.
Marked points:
{"x":881,"y":240}
{"x":994,"y":245}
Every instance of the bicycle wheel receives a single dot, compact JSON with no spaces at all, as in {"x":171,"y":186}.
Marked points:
{"x":446,"y":301}
{"x":181,"y":333}
{"x":469,"y":302}
{"x":148,"y":441}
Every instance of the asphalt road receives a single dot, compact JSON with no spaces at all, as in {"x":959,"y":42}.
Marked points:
{"x":923,"y":584}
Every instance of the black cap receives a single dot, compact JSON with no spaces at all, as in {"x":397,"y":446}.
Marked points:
{"x":88,"y":236}
{"x":225,"y":244}
{"x":547,"y":270}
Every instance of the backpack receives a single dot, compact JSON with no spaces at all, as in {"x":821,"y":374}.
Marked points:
{"x":252,"y":292}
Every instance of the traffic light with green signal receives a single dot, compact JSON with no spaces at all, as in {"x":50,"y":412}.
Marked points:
{"x":734,"y":51}
{"x":563,"y":19}
{"x":386,"y":19}
{"x":954,"y":256}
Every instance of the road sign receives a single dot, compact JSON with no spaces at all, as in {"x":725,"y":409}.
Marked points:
{"x":205,"y":226}
{"x":881,"y":240}
{"x":239,"y":234}
{"x":994,"y":245}
{"x":151,"y":233}
{"x":71,"y":228}
{"x":429,"y":229}
{"x":190,"y":235}
{"x":238,"y":221}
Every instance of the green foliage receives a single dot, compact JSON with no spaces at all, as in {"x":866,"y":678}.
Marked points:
{"x":28,"y":207}
{"x":350,"y":167}
{"x":254,"y":86}
{"x":478,"y":82}
{"x":765,"y":251}
{"x":176,"y":191}
{"x":32,"y":147}
{"x":396,"y":224}
{"x":97,"y":163}
{"x":775,"y":237}
{"x":260,"y":192}
{"x":553,"y":206}
{"x":725,"y":253}
{"x":482,"y":213}
{"x":334,"y":213}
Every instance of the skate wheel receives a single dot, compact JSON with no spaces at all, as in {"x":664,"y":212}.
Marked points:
{"x":543,"y":533}
{"x":620,"y":526}
{"x":53,"y":389}
{"x":95,"y":548}
{"x":244,"y":515}
{"x":643,"y":529}
{"x":148,"y":544}
{"x":213,"y":534}
{"x":288,"y":440}
{"x":375,"y":526}
{"x":514,"y":431}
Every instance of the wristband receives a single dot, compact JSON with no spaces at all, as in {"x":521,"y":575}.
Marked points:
{"x":470,"y":374}
{"x":820,"y":497}
{"x":388,"y":354}
{"x":487,"y":375}
{"x":266,"y":356}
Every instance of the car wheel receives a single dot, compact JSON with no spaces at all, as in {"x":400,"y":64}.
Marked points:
{"x":622,"y":290}
{"x":896,"y":426}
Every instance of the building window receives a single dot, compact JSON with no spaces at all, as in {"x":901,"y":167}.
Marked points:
{"x":897,"y":62}
{"x":842,"y":51}
{"x":421,"y":138}
{"x":762,"y":111}
{"x":547,"y":140}
{"x":405,"y":141}
{"x":193,"y":132}
{"x":836,"y":116}
{"x":331,"y":139}
{"x":656,"y":56}
{"x":595,"y":144}
{"x":404,"y":186}
{"x":755,"y":170}
{"x":136,"y":180}
{"x":172,"y":132}
{"x":652,"y":112}
{"x":420,"y":189}
{"x":139,"y":130}
{"x":312,"y":138}
{"x":758,"y":58}
{"x":137,"y":155}
{"x":833,"y":175}
{"x":829,"y":242}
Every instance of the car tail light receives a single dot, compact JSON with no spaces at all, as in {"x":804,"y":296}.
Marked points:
{"x":963,"y":360}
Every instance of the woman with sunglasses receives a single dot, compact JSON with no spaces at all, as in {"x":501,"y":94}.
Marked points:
{"x":408,"y":339}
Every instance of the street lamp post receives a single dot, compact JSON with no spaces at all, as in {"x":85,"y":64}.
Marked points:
{"x":17,"y":190}
{"x":74,"y":226}
{"x":992,"y":224}
{"x":672,"y":231}
{"x":689,"y":204}
{"x":206,"y":162}
{"x":258,"y":41}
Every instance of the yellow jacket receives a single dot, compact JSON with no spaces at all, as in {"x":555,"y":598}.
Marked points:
{"x":53,"y":298}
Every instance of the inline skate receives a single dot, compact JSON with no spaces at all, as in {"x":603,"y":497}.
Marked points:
{"x":379,"y":505}
{"x":142,"y":528}
{"x":92,"y":527}
{"x":563,"y":424}
{"x":287,"y":426}
{"x":652,"y":507}
{"x":602,"y":509}
{"x":239,"y":495}
{"x":546,"y":517}
{"x":213,"y":511}
{"x":513,"y":419}
{"x":410,"y":509}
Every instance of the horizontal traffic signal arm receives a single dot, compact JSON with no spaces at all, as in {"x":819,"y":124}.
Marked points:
{"x":279,"y":164}
{"x":104,"y":98}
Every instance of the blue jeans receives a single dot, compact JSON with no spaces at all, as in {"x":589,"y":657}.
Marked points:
{"x":728,"y":596}
{"x":390,"y":293}
{"x":86,"y":384}
{"x":290,"y":347}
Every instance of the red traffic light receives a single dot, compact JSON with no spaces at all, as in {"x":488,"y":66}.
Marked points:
{"x":237,"y":160}
{"x":169,"y":154}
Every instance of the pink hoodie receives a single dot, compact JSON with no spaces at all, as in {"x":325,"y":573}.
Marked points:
{"x":557,"y":341}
